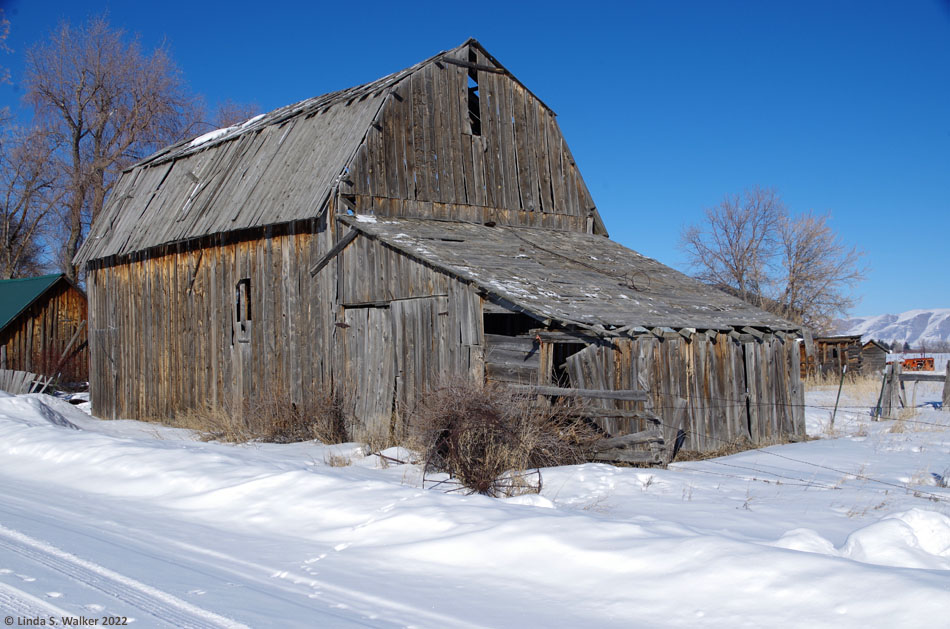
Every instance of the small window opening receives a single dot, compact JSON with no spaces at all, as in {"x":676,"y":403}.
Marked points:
{"x":474,"y":100}
{"x":509,"y":323}
{"x":241,"y":330}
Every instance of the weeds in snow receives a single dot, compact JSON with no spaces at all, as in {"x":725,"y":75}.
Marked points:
{"x":271,"y":417}
{"x":333,"y":459}
{"x":486,"y":436}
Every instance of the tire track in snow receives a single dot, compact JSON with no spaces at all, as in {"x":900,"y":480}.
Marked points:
{"x":19,"y":603}
{"x":158,"y":603}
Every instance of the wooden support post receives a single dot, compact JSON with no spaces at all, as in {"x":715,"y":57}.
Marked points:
{"x":69,"y":346}
{"x":946,"y":389}
{"x":3,"y":357}
{"x":891,"y":399}
{"x":876,"y":413}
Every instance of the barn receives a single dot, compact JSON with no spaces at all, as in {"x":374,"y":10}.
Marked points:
{"x":377,"y":241}
{"x":43,"y":327}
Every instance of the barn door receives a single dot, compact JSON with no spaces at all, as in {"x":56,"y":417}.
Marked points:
{"x":426,"y":353}
{"x":368,"y":350}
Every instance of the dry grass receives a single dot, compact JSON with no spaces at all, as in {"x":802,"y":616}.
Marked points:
{"x":486,"y":436}
{"x":337,"y":460}
{"x":272,"y":417}
{"x":861,"y":387}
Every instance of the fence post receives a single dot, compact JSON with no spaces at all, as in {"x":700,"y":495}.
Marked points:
{"x":946,"y":389}
{"x":891,"y":391}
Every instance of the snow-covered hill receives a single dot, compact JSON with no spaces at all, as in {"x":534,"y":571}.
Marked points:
{"x":916,"y":327}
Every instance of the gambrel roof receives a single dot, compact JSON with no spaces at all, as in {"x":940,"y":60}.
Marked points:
{"x":275,"y":168}
{"x":569,"y":277}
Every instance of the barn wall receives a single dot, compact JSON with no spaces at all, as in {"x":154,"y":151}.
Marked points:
{"x":873,"y":360}
{"x":36,"y":339}
{"x":166,"y":339}
{"x":423,"y":157}
{"x":436,"y":321}
{"x":734,"y":390}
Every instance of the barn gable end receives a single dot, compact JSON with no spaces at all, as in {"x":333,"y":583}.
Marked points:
{"x":377,"y":241}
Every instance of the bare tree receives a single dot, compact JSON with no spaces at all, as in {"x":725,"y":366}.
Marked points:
{"x":796,"y":267}
{"x":229,"y":113}
{"x":28,"y":195}
{"x":735,"y":246}
{"x":108,"y":105}
{"x":4,"y":33}
{"x":818,"y":271}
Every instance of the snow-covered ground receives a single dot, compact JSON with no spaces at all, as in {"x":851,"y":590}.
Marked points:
{"x":142,"y":521}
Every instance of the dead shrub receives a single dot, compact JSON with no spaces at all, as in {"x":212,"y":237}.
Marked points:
{"x":484,"y":436}
{"x":270,"y":417}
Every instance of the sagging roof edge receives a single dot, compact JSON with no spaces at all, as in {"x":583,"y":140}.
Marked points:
{"x":523,"y":307}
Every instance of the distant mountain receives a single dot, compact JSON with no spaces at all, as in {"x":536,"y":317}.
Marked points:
{"x":916,"y":327}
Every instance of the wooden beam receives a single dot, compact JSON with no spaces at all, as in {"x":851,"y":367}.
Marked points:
{"x":474,"y":66}
{"x":626,"y":455}
{"x":625,"y":441}
{"x":341,"y":244}
{"x":632,"y":395}
{"x":616,"y":412}
{"x":69,"y":346}
{"x":917,"y":376}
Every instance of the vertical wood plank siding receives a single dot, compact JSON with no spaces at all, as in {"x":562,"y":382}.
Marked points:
{"x":420,"y":158}
{"x":734,"y":390}
{"x":36,"y":339}
{"x":164,"y":337}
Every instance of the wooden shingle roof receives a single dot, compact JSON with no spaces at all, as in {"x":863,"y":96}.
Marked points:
{"x":567,"y":276}
{"x":275,"y":168}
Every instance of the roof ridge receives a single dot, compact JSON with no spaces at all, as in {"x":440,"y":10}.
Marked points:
{"x":30,"y":279}
{"x":303,"y":107}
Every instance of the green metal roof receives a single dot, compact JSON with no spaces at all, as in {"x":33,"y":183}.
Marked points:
{"x":17,"y":295}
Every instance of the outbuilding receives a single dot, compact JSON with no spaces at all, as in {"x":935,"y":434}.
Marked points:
{"x":43,"y":327}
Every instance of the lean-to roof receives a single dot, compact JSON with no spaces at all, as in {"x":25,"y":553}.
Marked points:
{"x":567,"y":276}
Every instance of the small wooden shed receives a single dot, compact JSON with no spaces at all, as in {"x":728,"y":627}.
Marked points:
{"x":831,"y":354}
{"x":43,"y":327}
{"x":873,"y":357}
{"x":376,"y":241}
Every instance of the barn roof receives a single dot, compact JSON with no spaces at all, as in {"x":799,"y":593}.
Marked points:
{"x":567,"y":276}
{"x":274,"y":168}
{"x":19,"y":294}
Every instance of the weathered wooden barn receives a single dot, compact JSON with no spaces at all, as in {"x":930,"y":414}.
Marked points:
{"x":43,"y":327}
{"x":379,"y":240}
{"x":831,"y":354}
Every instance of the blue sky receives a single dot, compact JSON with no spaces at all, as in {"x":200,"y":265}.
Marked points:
{"x":843,"y":107}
